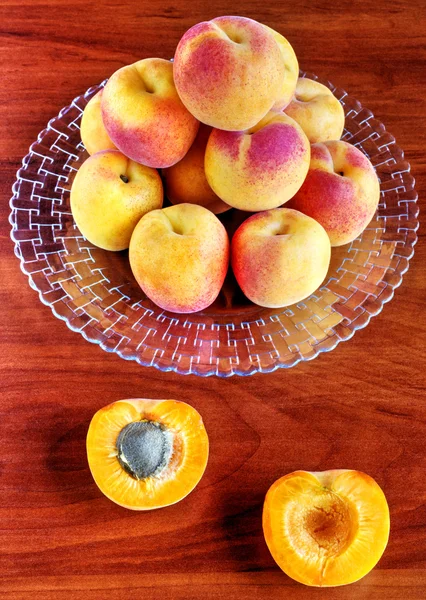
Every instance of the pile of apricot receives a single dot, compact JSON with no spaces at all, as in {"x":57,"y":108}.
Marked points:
{"x":231,"y":127}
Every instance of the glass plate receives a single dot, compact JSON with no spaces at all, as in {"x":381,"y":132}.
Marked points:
{"x":95,"y":293}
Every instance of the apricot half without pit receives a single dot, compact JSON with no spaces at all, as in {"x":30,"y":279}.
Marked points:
{"x":326,"y":528}
{"x":146,"y":454}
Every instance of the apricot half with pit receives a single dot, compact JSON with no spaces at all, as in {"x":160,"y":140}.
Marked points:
{"x":146,"y":454}
{"x":326,"y":528}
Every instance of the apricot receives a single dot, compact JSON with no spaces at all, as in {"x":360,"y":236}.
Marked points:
{"x":326,"y":528}
{"x":144,"y":115}
{"x":92,"y":129}
{"x":109,"y":194}
{"x":145,"y":454}
{"x":179,"y":256}
{"x":186,"y":181}
{"x":229,"y":72}
{"x":291,"y":66}
{"x":259,"y":168}
{"x":279,"y":257}
{"x":341,"y":190}
{"x":317,"y":110}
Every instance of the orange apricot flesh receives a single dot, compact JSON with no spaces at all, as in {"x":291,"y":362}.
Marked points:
{"x":146,"y":454}
{"x":326,"y":528}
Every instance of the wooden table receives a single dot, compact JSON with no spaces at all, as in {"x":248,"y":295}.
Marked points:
{"x":362,"y":406}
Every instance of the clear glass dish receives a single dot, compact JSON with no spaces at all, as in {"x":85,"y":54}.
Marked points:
{"x":95,"y":293}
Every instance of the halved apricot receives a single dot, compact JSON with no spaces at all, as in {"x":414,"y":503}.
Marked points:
{"x":326,"y":528}
{"x":146,"y":454}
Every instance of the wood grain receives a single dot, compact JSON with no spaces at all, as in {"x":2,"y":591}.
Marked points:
{"x":362,"y":406}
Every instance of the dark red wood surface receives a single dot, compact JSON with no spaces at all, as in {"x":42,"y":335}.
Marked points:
{"x":362,"y":406}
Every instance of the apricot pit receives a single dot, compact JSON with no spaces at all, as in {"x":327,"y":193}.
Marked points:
{"x":144,"y":448}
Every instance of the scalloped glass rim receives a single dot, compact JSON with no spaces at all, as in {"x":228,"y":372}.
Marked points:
{"x":74,"y":278}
